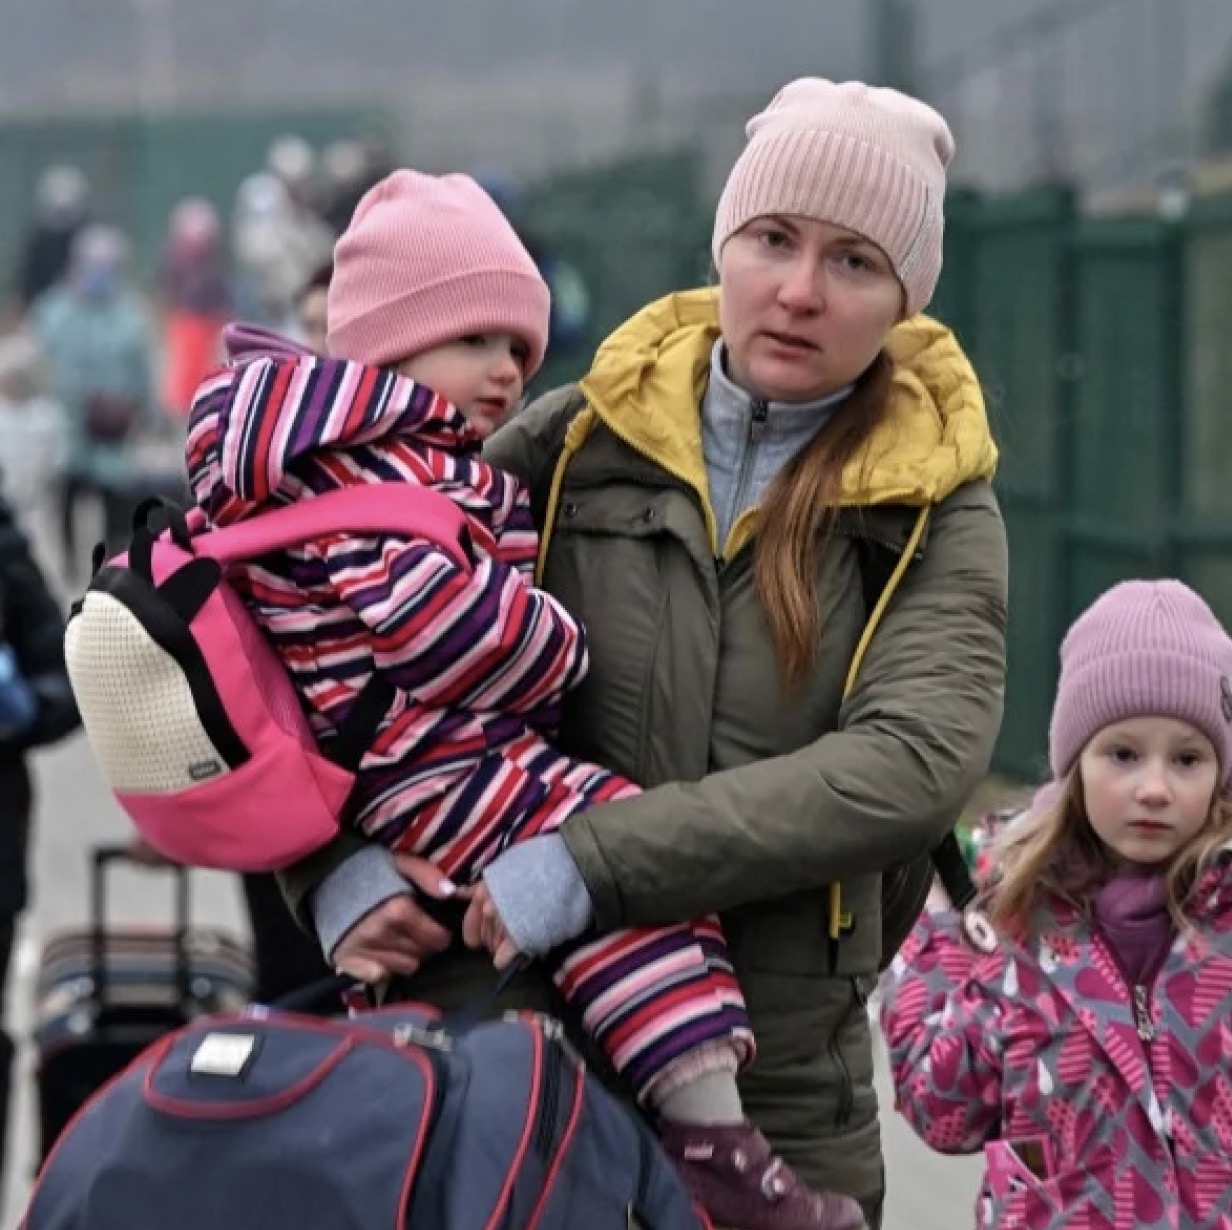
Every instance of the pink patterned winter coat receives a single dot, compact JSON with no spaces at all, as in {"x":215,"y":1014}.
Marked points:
{"x":1132,"y":1084}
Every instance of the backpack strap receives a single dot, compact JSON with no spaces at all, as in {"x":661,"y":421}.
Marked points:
{"x":379,"y":508}
{"x":356,"y":732}
{"x":392,"y":508}
{"x":376,"y":508}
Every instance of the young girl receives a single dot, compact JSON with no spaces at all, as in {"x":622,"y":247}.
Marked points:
{"x":1088,"y":1049}
{"x":436,"y":318}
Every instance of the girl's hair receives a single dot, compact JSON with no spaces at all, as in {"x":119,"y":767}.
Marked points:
{"x":1053,"y":848}
{"x":798,"y":517}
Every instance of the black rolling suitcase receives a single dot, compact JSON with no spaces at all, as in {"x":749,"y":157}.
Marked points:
{"x":106,"y":993}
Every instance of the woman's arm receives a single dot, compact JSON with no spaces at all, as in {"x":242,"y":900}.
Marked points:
{"x":914,"y":738}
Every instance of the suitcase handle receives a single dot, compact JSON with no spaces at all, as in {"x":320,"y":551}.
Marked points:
{"x":103,"y":858}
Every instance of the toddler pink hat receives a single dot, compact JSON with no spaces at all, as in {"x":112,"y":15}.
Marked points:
{"x":426,"y":260}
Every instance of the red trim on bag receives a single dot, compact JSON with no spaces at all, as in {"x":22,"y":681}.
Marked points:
{"x":421,"y":1143}
{"x":184,"y":1109}
{"x":536,"y":1088}
{"x":575,"y":1115}
{"x":151,"y":1055}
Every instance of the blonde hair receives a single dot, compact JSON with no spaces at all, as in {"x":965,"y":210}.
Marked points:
{"x":1053,"y":848}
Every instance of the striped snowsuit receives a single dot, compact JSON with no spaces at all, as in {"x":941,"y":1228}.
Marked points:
{"x":462,"y":764}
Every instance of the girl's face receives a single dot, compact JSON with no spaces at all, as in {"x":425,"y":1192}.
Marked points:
{"x":804,"y":306}
{"x":1148,"y":785}
{"x":482,"y":375}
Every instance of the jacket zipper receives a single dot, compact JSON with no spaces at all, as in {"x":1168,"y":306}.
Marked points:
{"x":1142,"y":1012}
{"x":759,"y":415}
{"x":846,"y":1100}
{"x":1139,"y":992}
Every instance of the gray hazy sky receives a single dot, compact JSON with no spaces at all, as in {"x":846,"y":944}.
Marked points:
{"x":1118,"y":87}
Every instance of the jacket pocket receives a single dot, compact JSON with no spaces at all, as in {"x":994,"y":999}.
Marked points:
{"x":791,"y":935}
{"x":1067,"y":1201}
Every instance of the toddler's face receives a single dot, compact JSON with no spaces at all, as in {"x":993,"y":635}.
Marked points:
{"x":482,"y":375}
{"x":1148,"y":784}
{"x":312,"y":318}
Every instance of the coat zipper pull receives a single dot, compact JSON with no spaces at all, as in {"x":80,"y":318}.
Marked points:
{"x":1142,"y":1014}
{"x":760,"y":416}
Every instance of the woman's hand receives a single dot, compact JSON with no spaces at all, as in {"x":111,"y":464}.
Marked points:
{"x":398,"y":936}
{"x":483,"y":928}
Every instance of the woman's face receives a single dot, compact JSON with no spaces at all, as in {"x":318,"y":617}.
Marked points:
{"x":804,"y":306}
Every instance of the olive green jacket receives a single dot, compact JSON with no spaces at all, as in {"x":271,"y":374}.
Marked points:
{"x":757,"y":801}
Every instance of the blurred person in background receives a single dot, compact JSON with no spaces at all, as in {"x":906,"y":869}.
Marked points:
{"x":347,"y":177}
{"x":195,"y":292}
{"x":95,"y":332}
{"x":277,"y":247}
{"x":350,"y":168}
{"x":61,"y":210}
{"x":32,"y":431}
{"x":292,"y":161}
{"x":36,"y":709}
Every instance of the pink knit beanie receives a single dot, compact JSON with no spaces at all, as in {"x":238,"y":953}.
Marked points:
{"x":1145,"y":648}
{"x":858,"y":156}
{"x":428,"y":260}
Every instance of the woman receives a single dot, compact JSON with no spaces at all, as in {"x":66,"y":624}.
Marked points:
{"x":95,"y":334}
{"x":195,"y":292}
{"x":713,"y":495}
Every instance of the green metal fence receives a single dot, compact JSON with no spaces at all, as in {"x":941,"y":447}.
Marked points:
{"x":635,"y":230}
{"x":1103,"y":347}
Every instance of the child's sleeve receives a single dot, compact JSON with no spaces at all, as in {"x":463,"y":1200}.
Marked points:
{"x":453,"y":637}
{"x":942,"y":1018}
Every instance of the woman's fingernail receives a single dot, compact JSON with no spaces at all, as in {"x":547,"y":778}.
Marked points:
{"x":447,"y":888}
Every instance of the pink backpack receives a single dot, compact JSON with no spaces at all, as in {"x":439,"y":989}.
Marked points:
{"x":191,"y":715}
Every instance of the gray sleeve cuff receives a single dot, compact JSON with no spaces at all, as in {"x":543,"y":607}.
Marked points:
{"x":539,"y":894}
{"x":351,"y":892}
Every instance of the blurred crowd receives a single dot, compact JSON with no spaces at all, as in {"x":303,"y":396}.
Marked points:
{"x":98,"y":366}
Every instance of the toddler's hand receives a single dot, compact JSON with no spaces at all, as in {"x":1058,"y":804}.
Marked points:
{"x":482,"y":928}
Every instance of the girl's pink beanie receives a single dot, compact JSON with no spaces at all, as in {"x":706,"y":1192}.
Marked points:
{"x":1143,"y":649}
